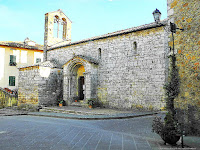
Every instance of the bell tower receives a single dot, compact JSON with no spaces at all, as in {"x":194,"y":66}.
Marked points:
{"x":57,"y":30}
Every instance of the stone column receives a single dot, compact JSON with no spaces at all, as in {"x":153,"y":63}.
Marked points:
{"x":93,"y":77}
{"x":66,"y":89}
{"x":87,"y":85}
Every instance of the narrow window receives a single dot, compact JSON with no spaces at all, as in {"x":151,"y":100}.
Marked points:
{"x":13,"y":60}
{"x":11,"y":80}
{"x":38,"y":60}
{"x":99,"y":53}
{"x":135,"y":47}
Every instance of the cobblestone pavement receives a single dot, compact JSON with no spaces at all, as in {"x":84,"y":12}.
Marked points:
{"x":35,"y":133}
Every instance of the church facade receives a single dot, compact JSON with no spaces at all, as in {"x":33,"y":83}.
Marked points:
{"x":124,"y":69}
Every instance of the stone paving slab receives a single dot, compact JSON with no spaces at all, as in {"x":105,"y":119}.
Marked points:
{"x":31,"y":133}
{"x":84,"y":140}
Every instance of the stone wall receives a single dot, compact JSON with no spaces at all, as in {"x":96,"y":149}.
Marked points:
{"x":28,"y":85}
{"x":186,"y":14}
{"x":129,"y":75}
{"x":50,"y":88}
{"x":39,"y":85}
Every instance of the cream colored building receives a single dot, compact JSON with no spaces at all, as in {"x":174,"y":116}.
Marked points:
{"x":14,"y":55}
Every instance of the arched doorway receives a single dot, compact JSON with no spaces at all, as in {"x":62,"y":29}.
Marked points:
{"x":78,"y":82}
{"x":80,"y":79}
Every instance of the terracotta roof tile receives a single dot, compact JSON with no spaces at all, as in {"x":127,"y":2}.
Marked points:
{"x":21,"y":45}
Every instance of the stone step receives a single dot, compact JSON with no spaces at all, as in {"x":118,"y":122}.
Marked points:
{"x":60,"y":110}
{"x":78,"y":104}
{"x":57,"y":110}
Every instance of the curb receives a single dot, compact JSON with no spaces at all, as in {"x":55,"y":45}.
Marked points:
{"x":12,"y":114}
{"x":92,"y":117}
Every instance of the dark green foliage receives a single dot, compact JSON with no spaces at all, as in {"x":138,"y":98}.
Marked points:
{"x":169,"y":129}
{"x":94,"y":102}
{"x":172,"y":87}
{"x":60,"y":101}
{"x":157,"y":125}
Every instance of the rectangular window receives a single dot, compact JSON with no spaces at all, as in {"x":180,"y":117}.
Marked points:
{"x":38,"y":60}
{"x":13,"y":60}
{"x":23,"y":56}
{"x":11,"y":80}
{"x":37,"y":56}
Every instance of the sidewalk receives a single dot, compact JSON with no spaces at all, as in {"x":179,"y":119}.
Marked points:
{"x":73,"y":112}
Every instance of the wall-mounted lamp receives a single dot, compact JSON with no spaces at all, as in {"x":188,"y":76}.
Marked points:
{"x":156,"y":14}
{"x":173,"y":30}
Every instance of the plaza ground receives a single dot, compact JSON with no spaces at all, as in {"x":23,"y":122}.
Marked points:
{"x":39,"y":132}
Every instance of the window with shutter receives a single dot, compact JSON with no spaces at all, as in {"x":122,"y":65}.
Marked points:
{"x":11,"y":80}
{"x":13,"y":60}
{"x":38,"y":60}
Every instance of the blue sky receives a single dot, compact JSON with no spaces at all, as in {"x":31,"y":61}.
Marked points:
{"x":25,"y":18}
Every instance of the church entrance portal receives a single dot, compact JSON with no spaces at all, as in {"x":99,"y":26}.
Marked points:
{"x":80,"y":79}
{"x":77,"y":86}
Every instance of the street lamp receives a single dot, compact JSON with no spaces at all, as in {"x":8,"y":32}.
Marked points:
{"x":156,"y":14}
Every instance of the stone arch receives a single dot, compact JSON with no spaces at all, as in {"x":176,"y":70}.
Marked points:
{"x":72,"y":78}
{"x":77,"y":81}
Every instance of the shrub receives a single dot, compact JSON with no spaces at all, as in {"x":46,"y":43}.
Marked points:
{"x":169,"y":129}
{"x":93,"y":102}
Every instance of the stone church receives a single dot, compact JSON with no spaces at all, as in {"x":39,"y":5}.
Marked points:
{"x":123,"y":69}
